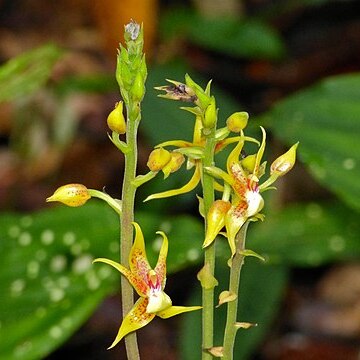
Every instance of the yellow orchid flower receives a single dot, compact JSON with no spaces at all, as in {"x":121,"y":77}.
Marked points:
{"x":243,"y":176}
{"x":149,"y":284}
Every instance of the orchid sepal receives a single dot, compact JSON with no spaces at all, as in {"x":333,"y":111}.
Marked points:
{"x":176,"y":310}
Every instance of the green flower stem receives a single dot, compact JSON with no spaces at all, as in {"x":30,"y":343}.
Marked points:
{"x":209,"y":256}
{"x":126,"y":234}
{"x":115,"y":204}
{"x":235,"y":271}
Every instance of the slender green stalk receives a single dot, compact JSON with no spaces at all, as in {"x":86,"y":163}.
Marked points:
{"x":126,"y":234}
{"x":209,"y":257}
{"x":235,"y":271}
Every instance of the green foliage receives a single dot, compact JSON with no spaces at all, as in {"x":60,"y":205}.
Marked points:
{"x":260,"y":284}
{"x":26,"y":73}
{"x":249,"y":38}
{"x":48,"y":284}
{"x":325,"y":120}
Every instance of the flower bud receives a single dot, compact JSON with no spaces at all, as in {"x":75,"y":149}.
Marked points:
{"x":248,"y":163}
{"x":158,"y":158}
{"x":237,"y":121}
{"x":177,"y":159}
{"x":115,"y":120}
{"x":138,"y":88}
{"x":71,"y":195}
{"x":210,"y":117}
{"x":215,"y":220}
{"x":284,"y":163}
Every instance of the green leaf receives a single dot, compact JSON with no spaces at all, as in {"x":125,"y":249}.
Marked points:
{"x":308,"y":235}
{"x":27,"y":72}
{"x":48,"y":284}
{"x":246,"y":37}
{"x":325,"y":120}
{"x":260,"y":285}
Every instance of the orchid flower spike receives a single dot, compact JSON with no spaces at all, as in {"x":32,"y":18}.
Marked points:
{"x":149,"y":284}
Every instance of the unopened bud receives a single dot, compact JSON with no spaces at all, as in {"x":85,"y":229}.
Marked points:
{"x":284,"y":163}
{"x":138,"y":88}
{"x":158,"y":158}
{"x":115,"y":120}
{"x":237,"y":121}
{"x":248,"y":163}
{"x":177,"y":159}
{"x":215,"y":220}
{"x":210,"y":117}
{"x":71,"y":195}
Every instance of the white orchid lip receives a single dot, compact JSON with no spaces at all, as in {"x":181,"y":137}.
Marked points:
{"x":158,"y":301}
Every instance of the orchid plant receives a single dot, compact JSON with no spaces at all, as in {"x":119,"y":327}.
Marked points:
{"x":238,"y":199}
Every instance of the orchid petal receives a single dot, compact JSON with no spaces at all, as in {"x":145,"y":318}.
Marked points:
{"x":219,"y":173}
{"x":138,"y":263}
{"x":160,"y":267}
{"x":175,"y":310}
{"x":235,"y":153}
{"x":139,"y":286}
{"x":260,"y":152}
{"x":235,"y":219}
{"x":177,"y":143}
{"x":134,"y":320}
{"x":184,"y":189}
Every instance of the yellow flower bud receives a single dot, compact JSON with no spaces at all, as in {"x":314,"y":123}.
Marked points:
{"x":177,"y":159}
{"x":284,"y":163}
{"x":115,"y":120}
{"x":237,"y":121}
{"x":248,"y":163}
{"x":158,"y":158}
{"x":215,"y":220}
{"x":210,"y":117}
{"x":71,"y":195}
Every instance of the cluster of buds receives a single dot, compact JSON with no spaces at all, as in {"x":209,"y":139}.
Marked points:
{"x":131,"y":71}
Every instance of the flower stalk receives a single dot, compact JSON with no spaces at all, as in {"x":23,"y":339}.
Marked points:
{"x":234,"y":284}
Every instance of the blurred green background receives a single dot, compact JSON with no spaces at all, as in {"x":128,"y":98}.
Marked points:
{"x":293,"y":65}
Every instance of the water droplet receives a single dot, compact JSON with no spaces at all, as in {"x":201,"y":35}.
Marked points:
{"x":32,"y":269}
{"x":41,"y":255}
{"x":104,"y":272}
{"x":337,"y":243}
{"x":92,"y":280}
{"x":156,"y":245}
{"x":314,"y":211}
{"x":17,"y":287}
{"x":66,"y":323}
{"x":76,"y":249}
{"x":193,"y":254}
{"x":47,"y":237}
{"x":69,"y":238}
{"x":55,"y":332}
{"x":26,"y":221}
{"x":14,"y":231}
{"x":82,"y":264}
{"x":63,"y":282}
{"x":165,"y":226}
{"x":47,"y":283}
{"x":56,"y":294}
{"x":25,"y":239}
{"x":58,"y":263}
{"x":349,"y":164}
{"x":114,"y":247}
{"x":22,"y":349}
